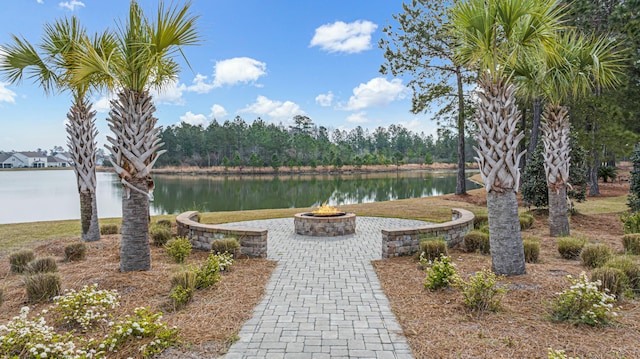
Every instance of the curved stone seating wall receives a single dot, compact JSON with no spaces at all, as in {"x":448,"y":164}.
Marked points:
{"x":407,"y":241}
{"x":253,"y":243}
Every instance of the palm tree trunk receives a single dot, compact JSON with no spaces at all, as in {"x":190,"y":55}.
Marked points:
{"x":134,"y":247}
{"x":556,"y":166}
{"x":535,"y":128}
{"x":134,"y":151}
{"x":461,"y":184}
{"x":498,"y":158}
{"x":81,"y":135}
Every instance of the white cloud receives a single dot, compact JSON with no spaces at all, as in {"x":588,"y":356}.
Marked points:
{"x":40,"y":1}
{"x":71,"y":5}
{"x":377,"y":92}
{"x":170,"y":95}
{"x":200,"y":85}
{"x":237,"y":70}
{"x":6,"y":95}
{"x":217,"y":112}
{"x":418,"y":125}
{"x":103,"y":104}
{"x":351,"y":38}
{"x":194,"y":119}
{"x":325,"y":100}
{"x":275,"y":109}
{"x":358,"y":117}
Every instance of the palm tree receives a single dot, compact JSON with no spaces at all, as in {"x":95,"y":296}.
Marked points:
{"x":51,"y":70}
{"x":492,"y":36}
{"x":585,"y":64}
{"x":142,"y":59}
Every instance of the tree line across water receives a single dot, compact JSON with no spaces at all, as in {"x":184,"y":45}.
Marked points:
{"x":258,"y":144}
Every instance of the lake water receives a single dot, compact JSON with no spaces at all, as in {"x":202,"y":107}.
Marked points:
{"x":44,"y":195}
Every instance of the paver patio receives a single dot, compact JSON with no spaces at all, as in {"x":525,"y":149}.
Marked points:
{"x":324,"y":299}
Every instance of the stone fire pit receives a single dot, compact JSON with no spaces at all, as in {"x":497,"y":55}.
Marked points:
{"x":337,"y":224}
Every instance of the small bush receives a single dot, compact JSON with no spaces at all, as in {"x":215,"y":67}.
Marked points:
{"x":225,"y":245}
{"x":595,"y":255}
{"x":570,"y":248}
{"x":432,"y":249}
{"x":485,"y":245}
{"x":473,"y":239}
{"x":631,"y":243}
{"x":484,"y":228}
{"x":558,"y":354}
{"x":611,"y":280}
{"x":164,"y":223}
{"x":481,"y":292}
{"x":526,"y":221}
{"x":583,"y":303}
{"x":107,"y":229}
{"x":441,"y":274}
{"x":607,"y":172}
{"x":178,"y":248}
{"x":20,"y":259}
{"x":42,"y":287}
{"x":209,"y":273}
{"x":85,"y":307}
{"x":630,"y":268}
{"x":160,"y":234}
{"x":75,"y":252}
{"x":185,"y":279}
{"x":180,"y":296}
{"x":531,"y":250}
{"x":480,"y":220}
{"x":630,"y":222}
{"x":41,"y":265}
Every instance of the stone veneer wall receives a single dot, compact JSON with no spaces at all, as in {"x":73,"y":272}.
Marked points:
{"x":406,"y":241}
{"x":253,"y":243}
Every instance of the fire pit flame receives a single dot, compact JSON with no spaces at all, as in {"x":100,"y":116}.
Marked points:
{"x":325,"y":210}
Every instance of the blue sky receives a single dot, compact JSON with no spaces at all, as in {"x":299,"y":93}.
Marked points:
{"x":268,"y":59}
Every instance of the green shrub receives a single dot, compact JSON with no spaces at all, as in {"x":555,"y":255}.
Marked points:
{"x":20,"y":259}
{"x":484,"y":228}
{"x":42,"y":287}
{"x":629,"y":267}
{"x":631,"y":243}
{"x":441,"y":274}
{"x":612,"y":280}
{"x":209,"y":273}
{"x":595,"y":255}
{"x":558,"y":354}
{"x":185,"y":279}
{"x":41,"y":265}
{"x":480,"y":220}
{"x":482,"y":292}
{"x":526,"y":221}
{"x":85,"y":307}
{"x":107,"y":229}
{"x":164,"y":222}
{"x":225,"y":245}
{"x":583,"y":303}
{"x":473,"y":239}
{"x":178,"y":248}
{"x":433,"y":248}
{"x":160,"y":234}
{"x":75,"y":252}
{"x":485,"y":245}
{"x":630,"y":222}
{"x":531,"y":250}
{"x":570,"y":248}
{"x":607,"y":172}
{"x":180,"y":296}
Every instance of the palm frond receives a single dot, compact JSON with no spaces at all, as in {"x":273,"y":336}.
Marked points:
{"x":21,"y":60}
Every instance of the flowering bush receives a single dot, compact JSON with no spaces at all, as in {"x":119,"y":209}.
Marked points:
{"x":583,"y":302}
{"x":85,"y":307}
{"x":441,"y":274}
{"x":26,"y":338}
{"x":143,"y":324}
{"x":209,"y":273}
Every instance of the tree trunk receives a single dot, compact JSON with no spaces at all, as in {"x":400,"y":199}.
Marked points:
{"x":81,"y":137}
{"x":556,"y":166}
{"x":507,"y":250}
{"x":594,"y":188}
{"x":535,"y":127}
{"x":558,"y":213}
{"x":134,"y":247}
{"x":461,"y":184}
{"x":522,"y":146}
{"x":497,"y":118}
{"x":134,"y":151}
{"x":89,"y":217}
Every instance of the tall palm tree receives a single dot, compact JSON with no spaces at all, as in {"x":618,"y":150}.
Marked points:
{"x":584,"y":64}
{"x":492,"y":36}
{"x":51,"y":69}
{"x":142,"y":59}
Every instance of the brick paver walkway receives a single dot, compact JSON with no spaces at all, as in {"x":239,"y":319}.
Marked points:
{"x":324,"y":299}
